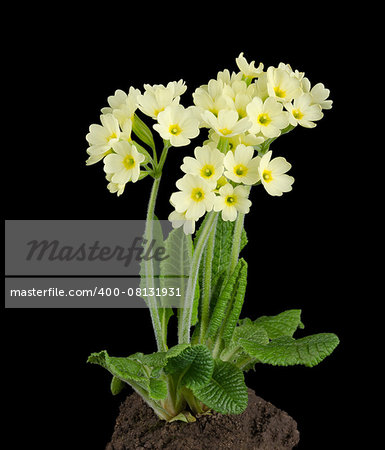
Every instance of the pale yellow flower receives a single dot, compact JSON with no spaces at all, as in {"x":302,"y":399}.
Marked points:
{"x":231,"y":201}
{"x":240,"y":165}
{"x":273,"y":174}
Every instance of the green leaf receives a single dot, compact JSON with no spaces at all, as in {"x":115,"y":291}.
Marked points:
{"x":235,"y":306}
{"x":175,"y":269}
{"x":283,"y":324}
{"x":194,"y":364}
{"x":116,"y":385}
{"x":152,"y":363}
{"x":248,"y":331}
{"x":226,"y":392}
{"x":125,"y":369}
{"x":137,"y":369}
{"x":286,"y":351}
{"x":184,"y":416}
{"x":142,"y":131}
{"x":176,"y":350}
{"x":158,"y":389}
{"x":222,"y":255}
{"x":224,"y":300}
{"x":223,"y":244}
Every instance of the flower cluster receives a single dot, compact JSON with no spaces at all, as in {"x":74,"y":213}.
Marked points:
{"x":112,"y":141}
{"x":244,"y":112}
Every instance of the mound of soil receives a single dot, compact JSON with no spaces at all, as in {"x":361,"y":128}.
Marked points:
{"x":262,"y":426}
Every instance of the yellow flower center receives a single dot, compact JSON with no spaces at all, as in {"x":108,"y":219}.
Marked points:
{"x":112,"y":136}
{"x":240,"y":170}
{"x":157,"y":111}
{"x":297,"y":114}
{"x":279,"y":92}
{"x":197,"y":194}
{"x":129,"y":162}
{"x":175,"y":129}
{"x":225,"y":131}
{"x":264,"y":119}
{"x":214,"y":110}
{"x":230,"y":200}
{"x":207,"y":171}
{"x":266,"y":175}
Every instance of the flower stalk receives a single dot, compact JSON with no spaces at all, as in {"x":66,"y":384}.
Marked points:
{"x":149,"y":268}
{"x":185,"y":322}
{"x":207,"y":276}
{"x":160,"y":335}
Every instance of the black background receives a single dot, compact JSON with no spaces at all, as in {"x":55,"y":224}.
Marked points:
{"x":63,"y":68}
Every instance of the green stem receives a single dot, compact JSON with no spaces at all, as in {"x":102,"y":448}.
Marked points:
{"x":217,"y":346}
{"x":235,"y":249}
{"x":237,"y":237}
{"x":265,"y":146}
{"x":149,"y":268}
{"x":206,"y":294}
{"x":227,"y":356}
{"x":185,"y":322}
{"x":245,"y":361}
{"x":195,"y":405}
{"x":160,"y":335}
{"x":160,"y":412}
{"x":163,"y":157}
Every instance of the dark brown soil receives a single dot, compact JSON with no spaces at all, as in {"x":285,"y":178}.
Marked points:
{"x":262,"y":426}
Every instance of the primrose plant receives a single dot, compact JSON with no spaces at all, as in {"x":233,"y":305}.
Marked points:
{"x":244,"y":112}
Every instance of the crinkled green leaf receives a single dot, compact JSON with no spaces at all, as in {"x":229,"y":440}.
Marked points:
{"x":175,"y":269}
{"x":125,"y":369}
{"x":226,"y":391}
{"x":224,"y":300}
{"x":283,"y":324}
{"x":157,"y":389}
{"x":157,"y":359}
{"x":222,"y":253}
{"x":153,"y":363}
{"x":249,"y":331}
{"x":116,"y":385}
{"x":224,"y":243}
{"x":287,"y":351}
{"x":194,"y":364}
{"x":235,"y":306}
